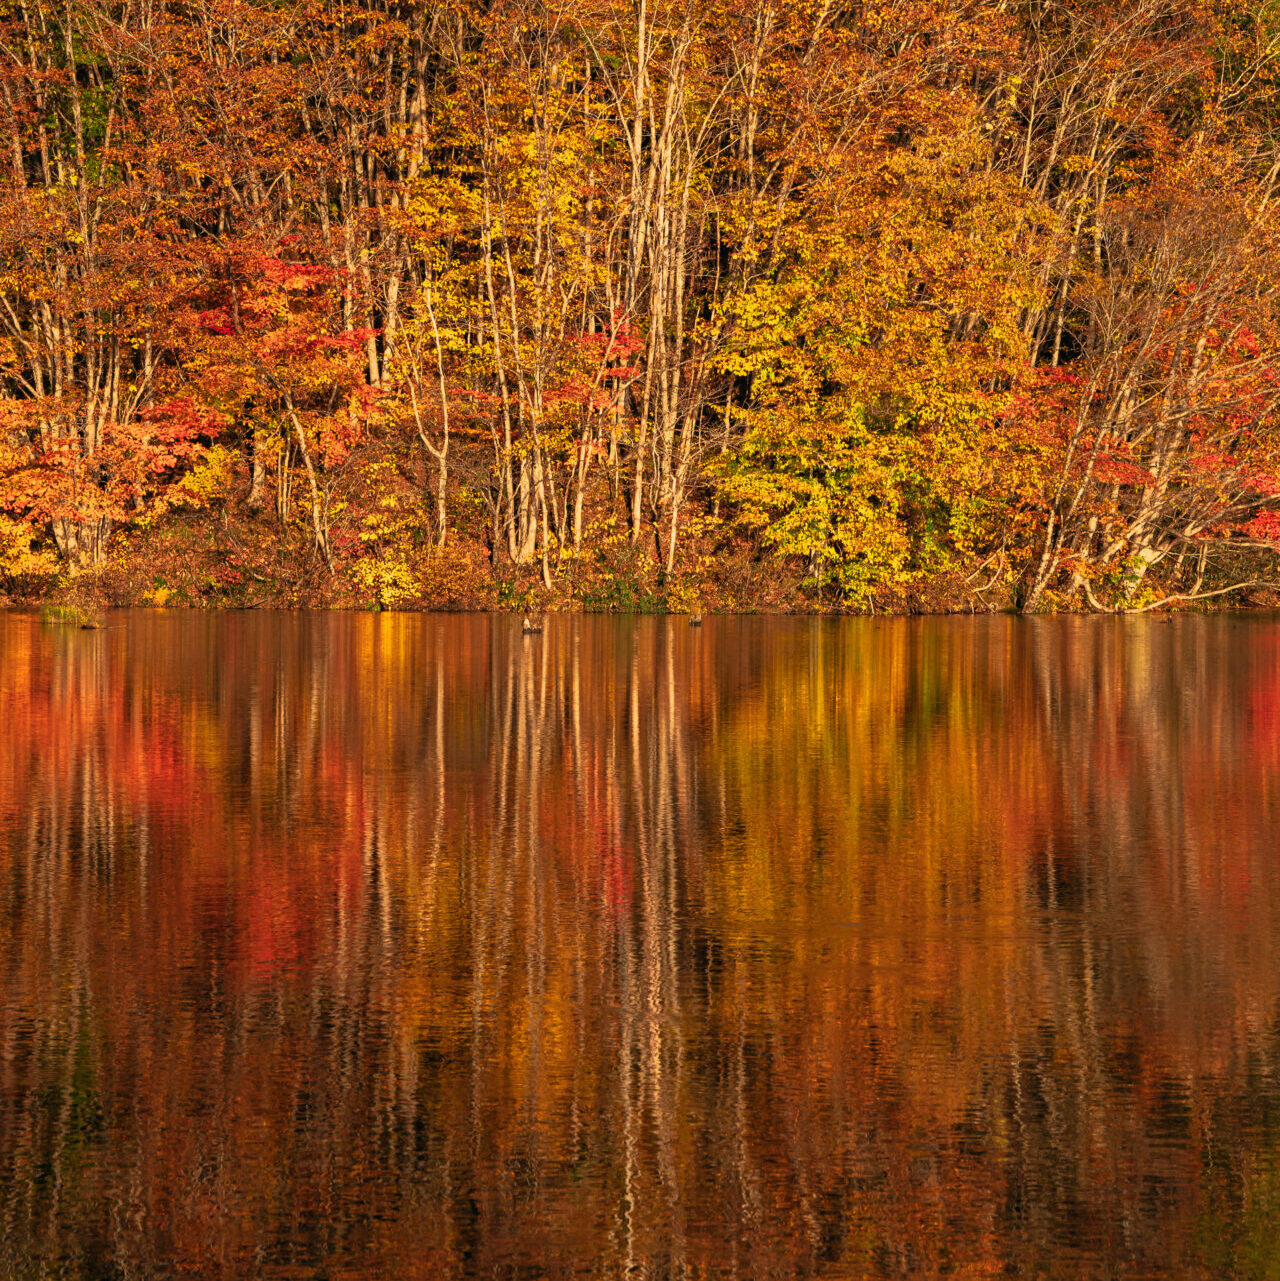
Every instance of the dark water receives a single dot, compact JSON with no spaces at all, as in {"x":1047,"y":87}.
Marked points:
{"x":363,"y":946}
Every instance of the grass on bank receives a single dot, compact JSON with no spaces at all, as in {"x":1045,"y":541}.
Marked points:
{"x":70,"y":616}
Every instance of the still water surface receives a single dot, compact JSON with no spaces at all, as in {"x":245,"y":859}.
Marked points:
{"x":355,"y":946}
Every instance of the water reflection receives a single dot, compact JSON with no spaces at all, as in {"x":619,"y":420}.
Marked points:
{"x":347,"y":946}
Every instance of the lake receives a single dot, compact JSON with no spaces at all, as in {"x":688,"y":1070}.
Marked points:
{"x":341,"y":946}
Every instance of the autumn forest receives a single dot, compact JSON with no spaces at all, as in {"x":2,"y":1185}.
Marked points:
{"x":558,"y":304}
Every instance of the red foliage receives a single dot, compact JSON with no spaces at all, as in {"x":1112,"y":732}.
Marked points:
{"x":1111,"y":469}
{"x":1265,"y":527}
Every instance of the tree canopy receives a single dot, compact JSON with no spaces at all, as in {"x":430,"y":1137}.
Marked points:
{"x":614,"y":303}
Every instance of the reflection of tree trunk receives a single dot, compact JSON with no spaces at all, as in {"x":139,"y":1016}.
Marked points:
{"x":662,"y":932}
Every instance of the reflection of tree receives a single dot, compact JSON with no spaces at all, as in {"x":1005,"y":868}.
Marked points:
{"x":791,"y":947}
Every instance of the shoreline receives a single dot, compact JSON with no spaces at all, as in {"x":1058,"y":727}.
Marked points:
{"x":38,"y":610}
{"x":243,"y":563}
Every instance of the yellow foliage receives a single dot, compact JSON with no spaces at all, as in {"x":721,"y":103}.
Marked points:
{"x":878,"y":361}
{"x":19,"y":557}
{"x":210,"y":480}
{"x":389,"y":582}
